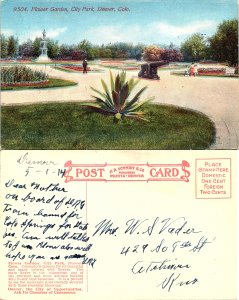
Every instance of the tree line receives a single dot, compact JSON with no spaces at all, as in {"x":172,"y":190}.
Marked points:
{"x":11,"y":48}
{"x":222,"y":47}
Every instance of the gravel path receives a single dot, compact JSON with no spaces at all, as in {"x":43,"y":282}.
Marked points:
{"x":215,"y":97}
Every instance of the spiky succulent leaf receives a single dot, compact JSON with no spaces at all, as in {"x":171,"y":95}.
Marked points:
{"x":106,"y":90}
{"x":117,"y":83}
{"x":97,"y":91}
{"x":124,"y":93}
{"x":132,"y":83}
{"x":135,"y":98}
{"x":112,"y":83}
{"x":104,"y":86}
{"x":104,"y":96}
{"x":104,"y":103}
{"x":116,"y":99}
{"x":122,"y":77}
{"x":97,"y":106}
{"x":136,"y":106}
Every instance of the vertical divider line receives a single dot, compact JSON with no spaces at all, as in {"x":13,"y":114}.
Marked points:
{"x":86,"y":199}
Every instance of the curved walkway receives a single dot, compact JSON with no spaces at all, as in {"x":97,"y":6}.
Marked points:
{"x":215,"y":97}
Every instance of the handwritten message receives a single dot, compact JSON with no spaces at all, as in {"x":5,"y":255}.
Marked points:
{"x":45,"y":221}
{"x":170,"y":241}
{"x":48,"y":218}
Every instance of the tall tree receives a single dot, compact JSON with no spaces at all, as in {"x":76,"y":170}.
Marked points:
{"x":172,"y":53}
{"x":152,"y":53}
{"x":52,"y":48}
{"x":123,"y":50}
{"x":224,"y":43}
{"x":95,"y":52}
{"x":65,"y":51}
{"x":86,"y":47}
{"x":194,"y":48}
{"x":26,"y":49}
{"x":137,"y":51}
{"x":78,"y":54}
{"x":12,"y":46}
{"x":36,"y":47}
{"x":105,"y":52}
{"x":4,"y":44}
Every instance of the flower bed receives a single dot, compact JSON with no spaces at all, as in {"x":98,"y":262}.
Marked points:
{"x":207,"y":72}
{"x":7,"y":60}
{"x":50,"y":83}
{"x":77,"y":68}
{"x":24,"y":60}
{"x":21,"y":75}
{"x":112,"y":62}
{"x":120,"y":65}
{"x":20,"y":84}
{"x":211,"y":71}
{"x":130,"y":68}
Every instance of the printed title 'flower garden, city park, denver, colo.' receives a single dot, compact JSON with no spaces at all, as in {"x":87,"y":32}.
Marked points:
{"x":119,"y":75}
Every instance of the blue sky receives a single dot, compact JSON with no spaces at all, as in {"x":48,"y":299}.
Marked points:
{"x":149,"y":22}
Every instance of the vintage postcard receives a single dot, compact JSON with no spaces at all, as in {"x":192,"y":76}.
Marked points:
{"x":118,"y":225}
{"x":112,"y":117}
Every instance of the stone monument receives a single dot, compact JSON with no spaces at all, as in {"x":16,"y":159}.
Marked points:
{"x":43,"y":47}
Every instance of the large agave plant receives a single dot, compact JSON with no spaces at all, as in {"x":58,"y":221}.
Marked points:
{"x":118,"y":100}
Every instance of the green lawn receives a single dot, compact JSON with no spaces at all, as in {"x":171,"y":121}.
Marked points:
{"x":71,"y":126}
{"x":53,"y":82}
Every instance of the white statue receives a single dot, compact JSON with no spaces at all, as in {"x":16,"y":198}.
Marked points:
{"x":44,"y":34}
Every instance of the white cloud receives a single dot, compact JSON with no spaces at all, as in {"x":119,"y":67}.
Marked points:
{"x":50,"y":33}
{"x":109,"y":34}
{"x":174,"y":31}
{"x":7,"y":31}
{"x":156,"y":32}
{"x":53,"y":33}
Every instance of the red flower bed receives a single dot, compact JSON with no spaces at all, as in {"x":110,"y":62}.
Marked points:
{"x":7,"y":60}
{"x":112,"y":62}
{"x":25,"y":83}
{"x":23,"y":60}
{"x":211,"y":73}
{"x":130,"y":68}
{"x":15,"y":61}
{"x":75,"y":68}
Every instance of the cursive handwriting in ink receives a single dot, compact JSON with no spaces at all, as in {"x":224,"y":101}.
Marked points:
{"x":172,"y":227}
{"x":133,"y":225}
{"x":9,"y":208}
{"x":139,"y":267}
{"x":11,"y":183}
{"x":28,"y":223}
{"x":168,"y":225}
{"x":52,"y":187}
{"x":24,"y":159}
{"x":106,"y":227}
{"x":201,"y":243}
{"x":172,"y":280}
